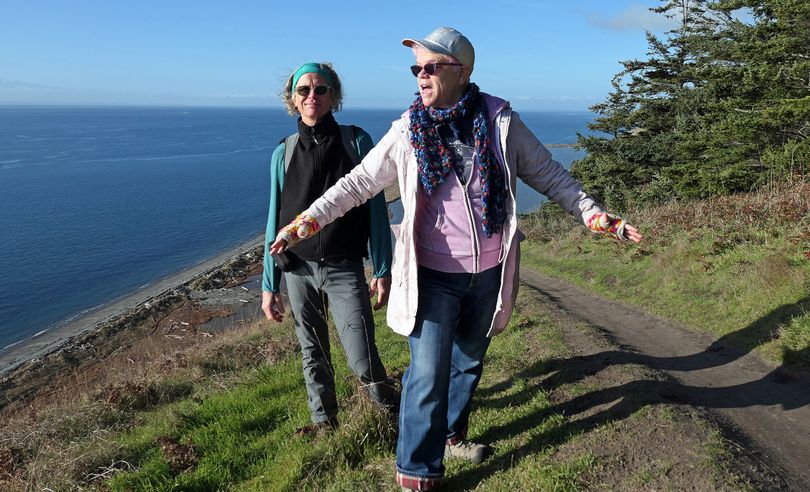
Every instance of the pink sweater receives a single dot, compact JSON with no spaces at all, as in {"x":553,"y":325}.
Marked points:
{"x":449,"y":234}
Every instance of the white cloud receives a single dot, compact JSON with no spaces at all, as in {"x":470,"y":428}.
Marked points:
{"x":19,"y":84}
{"x":633,"y":18}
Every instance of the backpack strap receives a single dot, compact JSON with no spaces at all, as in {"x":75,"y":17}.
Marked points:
{"x":289,"y":147}
{"x":350,"y":142}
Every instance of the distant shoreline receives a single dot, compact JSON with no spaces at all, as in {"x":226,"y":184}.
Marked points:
{"x":53,"y":339}
{"x":398,"y":109}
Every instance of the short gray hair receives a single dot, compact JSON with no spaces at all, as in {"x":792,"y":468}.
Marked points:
{"x":288,"y":96}
{"x":418,"y":49}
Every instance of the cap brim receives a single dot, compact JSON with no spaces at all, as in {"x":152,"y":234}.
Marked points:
{"x":428,"y":45}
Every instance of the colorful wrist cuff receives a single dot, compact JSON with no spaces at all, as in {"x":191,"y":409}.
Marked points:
{"x":302,"y":227}
{"x":607,"y":224}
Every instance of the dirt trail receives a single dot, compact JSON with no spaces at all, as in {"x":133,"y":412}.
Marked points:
{"x":769,"y":409}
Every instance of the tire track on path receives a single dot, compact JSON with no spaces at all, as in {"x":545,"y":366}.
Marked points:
{"x":765,"y":404}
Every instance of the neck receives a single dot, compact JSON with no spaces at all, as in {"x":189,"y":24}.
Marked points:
{"x":456,"y":98}
{"x":309,"y":121}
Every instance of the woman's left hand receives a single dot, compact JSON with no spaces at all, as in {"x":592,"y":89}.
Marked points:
{"x":380,"y":286}
{"x":632,"y":234}
{"x":614,"y":226}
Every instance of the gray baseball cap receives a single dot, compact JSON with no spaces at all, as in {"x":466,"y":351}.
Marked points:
{"x":447,"y":41}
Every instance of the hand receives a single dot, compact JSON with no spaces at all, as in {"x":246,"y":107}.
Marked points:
{"x":382,"y":287}
{"x":302,"y":227}
{"x":611,"y":225}
{"x":632,"y":234}
{"x":272,"y":306}
{"x":278,"y":246}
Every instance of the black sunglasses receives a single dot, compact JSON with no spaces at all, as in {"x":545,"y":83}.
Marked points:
{"x":304,"y":90}
{"x":430,"y":68}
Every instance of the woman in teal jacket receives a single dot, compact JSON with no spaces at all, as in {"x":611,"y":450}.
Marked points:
{"x":327,"y":269}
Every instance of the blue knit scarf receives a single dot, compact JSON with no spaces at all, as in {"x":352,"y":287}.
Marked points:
{"x":435,"y":160}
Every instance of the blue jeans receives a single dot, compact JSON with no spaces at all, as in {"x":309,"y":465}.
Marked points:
{"x":447,"y":352}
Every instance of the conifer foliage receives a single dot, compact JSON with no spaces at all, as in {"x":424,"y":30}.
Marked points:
{"x":721,"y":104}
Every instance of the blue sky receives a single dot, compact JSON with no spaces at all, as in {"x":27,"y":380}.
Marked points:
{"x":557,"y":55}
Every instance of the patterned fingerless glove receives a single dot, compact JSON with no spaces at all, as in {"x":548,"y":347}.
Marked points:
{"x":608,"y":224}
{"x":300,"y":228}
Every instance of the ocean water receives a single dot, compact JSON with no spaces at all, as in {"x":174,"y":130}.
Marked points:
{"x":97,"y":202}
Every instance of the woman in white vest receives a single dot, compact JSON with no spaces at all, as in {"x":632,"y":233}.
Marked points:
{"x":457,"y":153}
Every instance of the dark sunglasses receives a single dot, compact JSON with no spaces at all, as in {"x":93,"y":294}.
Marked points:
{"x":304,"y":90}
{"x":430,"y":68}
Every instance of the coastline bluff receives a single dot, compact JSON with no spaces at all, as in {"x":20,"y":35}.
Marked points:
{"x":198,"y":295}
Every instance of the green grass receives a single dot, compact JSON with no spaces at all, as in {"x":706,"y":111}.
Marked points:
{"x":228,"y":420}
{"x":242,"y":434}
{"x":239,"y":419}
{"x":239,"y":425}
{"x":234,"y":428}
{"x":736,"y":267}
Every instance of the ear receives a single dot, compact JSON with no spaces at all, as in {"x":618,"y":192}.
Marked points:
{"x":464,"y":75}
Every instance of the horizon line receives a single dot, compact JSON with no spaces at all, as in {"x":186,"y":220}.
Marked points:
{"x":221,"y":106}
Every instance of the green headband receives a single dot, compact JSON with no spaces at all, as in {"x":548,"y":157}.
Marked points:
{"x":310,"y":68}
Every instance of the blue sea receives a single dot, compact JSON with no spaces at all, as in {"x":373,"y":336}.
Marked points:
{"x":97,"y":202}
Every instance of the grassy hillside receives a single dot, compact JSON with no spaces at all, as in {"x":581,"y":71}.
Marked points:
{"x":222,"y":415}
{"x":737,"y":267}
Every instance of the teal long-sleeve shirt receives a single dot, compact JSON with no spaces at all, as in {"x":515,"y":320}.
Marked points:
{"x":380,"y":231}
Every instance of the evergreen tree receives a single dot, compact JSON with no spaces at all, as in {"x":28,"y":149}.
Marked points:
{"x":719,"y":105}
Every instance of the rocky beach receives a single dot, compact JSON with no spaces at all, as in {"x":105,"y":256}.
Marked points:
{"x":174,"y":312}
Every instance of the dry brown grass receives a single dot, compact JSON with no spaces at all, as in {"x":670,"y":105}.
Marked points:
{"x":733,"y":219}
{"x":64,"y":437}
{"x":737,"y":217}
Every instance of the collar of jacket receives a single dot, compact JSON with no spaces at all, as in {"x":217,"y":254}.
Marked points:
{"x":327,"y":127}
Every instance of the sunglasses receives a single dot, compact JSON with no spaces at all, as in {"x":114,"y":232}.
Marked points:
{"x":430,"y":68}
{"x":320,"y":90}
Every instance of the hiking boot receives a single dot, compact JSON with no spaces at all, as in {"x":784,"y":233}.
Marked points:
{"x":467,"y":450}
{"x":317,"y":428}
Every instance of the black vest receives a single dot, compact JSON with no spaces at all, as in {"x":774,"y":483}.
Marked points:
{"x":318,"y":162}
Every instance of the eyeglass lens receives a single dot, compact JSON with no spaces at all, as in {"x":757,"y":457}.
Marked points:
{"x":304,"y":90}
{"x":429,"y":68}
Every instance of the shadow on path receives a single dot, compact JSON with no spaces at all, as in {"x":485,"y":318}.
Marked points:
{"x":767,"y":407}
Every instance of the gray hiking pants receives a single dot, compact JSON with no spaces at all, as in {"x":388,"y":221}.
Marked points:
{"x":343,"y":283}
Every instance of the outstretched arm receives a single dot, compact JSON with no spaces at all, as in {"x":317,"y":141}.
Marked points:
{"x":377,"y":170}
{"x":537,"y":169}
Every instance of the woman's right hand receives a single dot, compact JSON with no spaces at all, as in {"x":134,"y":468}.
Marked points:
{"x":302,"y":227}
{"x":272,"y":306}
{"x":279,"y":246}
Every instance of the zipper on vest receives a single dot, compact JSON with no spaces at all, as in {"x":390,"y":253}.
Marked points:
{"x":319,"y":162}
{"x":320,"y":248}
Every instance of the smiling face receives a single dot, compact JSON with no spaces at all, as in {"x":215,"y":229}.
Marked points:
{"x":447,"y":84}
{"x":312,"y":107}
